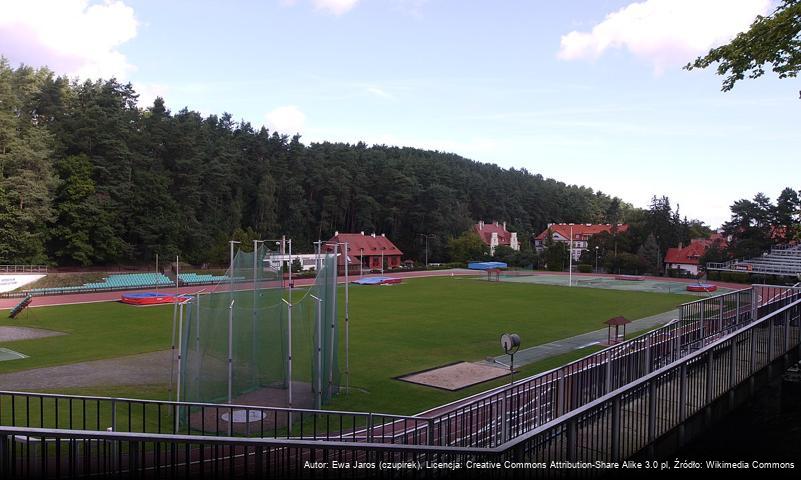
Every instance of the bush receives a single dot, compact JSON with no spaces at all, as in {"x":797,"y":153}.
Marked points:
{"x":735,"y":277}
{"x":584,"y":268}
{"x":713,"y":275}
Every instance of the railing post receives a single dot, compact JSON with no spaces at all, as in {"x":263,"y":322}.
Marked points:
{"x":370,"y":432}
{"x":732,"y":371}
{"x":786,"y":335}
{"x":608,"y":383}
{"x":701,"y":329}
{"x":560,"y":395}
{"x":720,"y":314}
{"x":709,"y":375}
{"x":647,"y":355}
{"x":4,"y":465}
{"x":754,"y":303}
{"x":651,"y":415}
{"x":682,"y":400}
{"x":505,"y":419}
{"x":616,"y":428}
{"x":572,"y":447}
{"x":736,"y":308}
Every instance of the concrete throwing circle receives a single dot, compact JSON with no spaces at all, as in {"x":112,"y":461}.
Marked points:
{"x":243,"y":416}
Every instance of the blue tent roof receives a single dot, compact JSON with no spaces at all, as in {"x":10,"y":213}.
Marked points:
{"x":485,"y":265}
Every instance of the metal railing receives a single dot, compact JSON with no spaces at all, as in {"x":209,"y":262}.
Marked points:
{"x":618,"y":425}
{"x":491,"y":418}
{"x":56,"y":411}
{"x":23,"y":268}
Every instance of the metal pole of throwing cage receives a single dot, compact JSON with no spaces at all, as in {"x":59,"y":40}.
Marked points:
{"x":172,"y":345}
{"x":333,"y":321}
{"x":318,"y":402}
{"x":347,"y":333}
{"x":230,"y":350}
{"x":289,"y":362}
{"x":180,"y":362}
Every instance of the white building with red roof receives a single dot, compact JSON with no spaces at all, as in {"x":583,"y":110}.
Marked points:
{"x":495,"y":234}
{"x":582,"y":232}
{"x":687,"y":258}
{"x":366,"y":252}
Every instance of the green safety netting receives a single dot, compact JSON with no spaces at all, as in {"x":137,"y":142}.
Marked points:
{"x":282,"y":342}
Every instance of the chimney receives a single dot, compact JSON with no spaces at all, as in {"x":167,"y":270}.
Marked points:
{"x":481,"y":224}
{"x":373,"y":234}
{"x":383,"y":235}
{"x":336,"y":233}
{"x":681,"y":245}
{"x":504,"y":225}
{"x":362,"y":233}
{"x":496,"y":223}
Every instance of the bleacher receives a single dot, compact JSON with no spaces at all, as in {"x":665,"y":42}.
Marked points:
{"x":127,"y":281}
{"x":781,"y":260}
{"x":201,"y":279}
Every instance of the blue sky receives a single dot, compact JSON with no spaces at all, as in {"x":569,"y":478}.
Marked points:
{"x":587,"y":92}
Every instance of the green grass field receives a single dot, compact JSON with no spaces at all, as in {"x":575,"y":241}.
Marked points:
{"x":420,"y":324}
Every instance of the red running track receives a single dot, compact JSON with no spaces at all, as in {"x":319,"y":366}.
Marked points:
{"x":76,"y":298}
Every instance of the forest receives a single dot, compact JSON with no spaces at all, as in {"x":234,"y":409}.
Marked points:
{"x":90,"y":177}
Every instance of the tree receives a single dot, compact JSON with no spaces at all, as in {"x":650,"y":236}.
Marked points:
{"x":787,"y":214}
{"x":650,"y":253}
{"x":466,"y":247}
{"x":773,"y":41}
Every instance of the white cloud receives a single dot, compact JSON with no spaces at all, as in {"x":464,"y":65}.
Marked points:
{"x":149,"y":91}
{"x":379,"y":92}
{"x":337,"y":7}
{"x":665,"y":32}
{"x":287,"y":120}
{"x":74,"y":37}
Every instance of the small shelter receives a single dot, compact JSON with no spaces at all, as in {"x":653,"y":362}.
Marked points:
{"x":616,"y":322}
{"x":494,"y":272}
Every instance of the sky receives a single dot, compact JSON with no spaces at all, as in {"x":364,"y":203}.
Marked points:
{"x":589,"y":92}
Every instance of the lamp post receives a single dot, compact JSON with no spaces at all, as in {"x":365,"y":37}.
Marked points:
{"x":382,"y":259}
{"x":361,"y":262}
{"x":426,"y":236}
{"x":596,"y":259}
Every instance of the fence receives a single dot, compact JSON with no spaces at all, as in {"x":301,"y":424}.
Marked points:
{"x":23,"y":268}
{"x":618,"y":425}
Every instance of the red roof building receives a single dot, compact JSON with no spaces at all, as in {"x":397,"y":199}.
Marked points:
{"x":560,"y":232}
{"x":366,"y":252}
{"x":495,"y":234}
{"x":687,"y":258}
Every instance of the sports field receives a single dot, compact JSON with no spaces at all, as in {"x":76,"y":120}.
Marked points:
{"x":394,"y":330}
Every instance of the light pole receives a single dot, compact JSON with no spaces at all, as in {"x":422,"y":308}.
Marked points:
{"x":361,"y":262}
{"x":426,"y":236}
{"x":596,"y":259}
{"x":382,"y":259}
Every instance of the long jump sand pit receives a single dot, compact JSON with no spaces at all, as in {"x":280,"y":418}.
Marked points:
{"x":11,"y":334}
{"x":455,"y":376}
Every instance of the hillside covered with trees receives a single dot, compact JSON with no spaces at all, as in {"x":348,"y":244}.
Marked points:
{"x":88,"y":176}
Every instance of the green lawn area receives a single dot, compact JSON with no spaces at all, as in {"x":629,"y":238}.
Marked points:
{"x":394,"y":330}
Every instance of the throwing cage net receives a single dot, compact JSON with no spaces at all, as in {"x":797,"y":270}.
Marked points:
{"x":253,"y":340}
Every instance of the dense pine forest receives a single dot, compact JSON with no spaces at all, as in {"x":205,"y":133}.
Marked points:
{"x":90,"y":176}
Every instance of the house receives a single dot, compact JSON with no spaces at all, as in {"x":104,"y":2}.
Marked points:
{"x":582,"y":232}
{"x":495,"y":234}
{"x":687,"y":258}
{"x":366,"y":252}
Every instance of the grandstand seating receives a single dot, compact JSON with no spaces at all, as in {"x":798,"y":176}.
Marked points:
{"x":779,"y":261}
{"x":112,"y":282}
{"x":198,"y":279}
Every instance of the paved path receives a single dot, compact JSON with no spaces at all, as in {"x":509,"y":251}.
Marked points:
{"x":143,"y":369}
{"x":565,"y":345}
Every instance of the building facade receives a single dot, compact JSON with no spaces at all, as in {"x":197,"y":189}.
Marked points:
{"x":688,"y":258}
{"x":582,"y":232}
{"x":366,"y":252}
{"x":495,"y":235}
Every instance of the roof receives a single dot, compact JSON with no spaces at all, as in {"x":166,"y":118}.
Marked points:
{"x":617,"y":321}
{"x":371,"y":244}
{"x":580,"y":230}
{"x":690,"y":254}
{"x":485,"y":231}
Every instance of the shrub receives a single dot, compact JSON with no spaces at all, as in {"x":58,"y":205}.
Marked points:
{"x":584,"y":268}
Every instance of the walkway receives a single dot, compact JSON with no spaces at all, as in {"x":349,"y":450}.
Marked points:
{"x":566,"y":345}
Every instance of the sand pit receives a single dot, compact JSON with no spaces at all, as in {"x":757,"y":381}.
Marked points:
{"x":11,"y":334}
{"x":455,"y":376}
